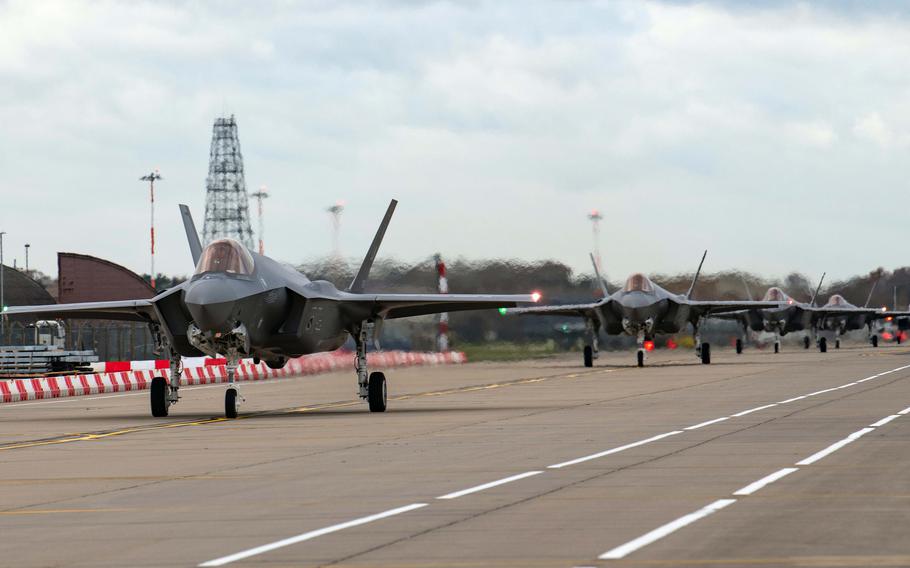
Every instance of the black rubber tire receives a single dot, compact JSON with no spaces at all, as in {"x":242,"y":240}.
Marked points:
{"x":376,"y":392}
{"x":875,"y":341}
{"x":641,"y":358}
{"x":898,"y":338}
{"x":589,"y":356}
{"x":739,"y":346}
{"x":837,"y":343}
{"x":705,"y":353}
{"x":158,"y":397}
{"x":776,"y":347}
{"x":807,"y":342}
{"x":230,"y":403}
{"x":823,"y":345}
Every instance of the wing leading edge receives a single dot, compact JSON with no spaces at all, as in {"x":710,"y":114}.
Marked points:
{"x":127,"y":310}
{"x":392,"y":306}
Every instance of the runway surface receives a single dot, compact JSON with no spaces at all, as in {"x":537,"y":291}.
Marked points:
{"x":796,"y":459}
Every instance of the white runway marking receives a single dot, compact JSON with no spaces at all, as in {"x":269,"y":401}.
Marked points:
{"x":834,"y":447}
{"x":751,"y":410}
{"x":309,"y":535}
{"x":667,"y":529}
{"x":905,"y":411}
{"x":884,"y":420}
{"x":824,"y":391}
{"x":794,"y":399}
{"x":503,"y":481}
{"x":614,"y":450}
{"x":707,"y":423}
{"x":767,"y":480}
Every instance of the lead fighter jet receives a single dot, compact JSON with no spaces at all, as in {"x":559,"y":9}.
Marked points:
{"x":643,"y":309}
{"x":242,"y":304}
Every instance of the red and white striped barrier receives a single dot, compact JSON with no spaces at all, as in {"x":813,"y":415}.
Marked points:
{"x":138,"y":375}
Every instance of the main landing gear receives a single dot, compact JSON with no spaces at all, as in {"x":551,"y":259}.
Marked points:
{"x":164,"y":393}
{"x":371,"y":386}
{"x":806,"y":342}
{"x":823,"y":344}
{"x":702,"y":350}
{"x":739,"y":346}
{"x":875,"y":340}
{"x":591,"y":345}
{"x":232,"y":398}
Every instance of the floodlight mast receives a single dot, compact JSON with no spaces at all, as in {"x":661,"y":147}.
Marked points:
{"x":151,"y":179}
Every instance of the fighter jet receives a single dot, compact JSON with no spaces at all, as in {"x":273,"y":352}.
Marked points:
{"x":837,"y":315}
{"x":643,"y":309}
{"x":790,"y":316}
{"x":242,"y":304}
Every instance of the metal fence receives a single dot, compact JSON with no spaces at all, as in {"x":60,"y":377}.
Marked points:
{"x":111,"y":341}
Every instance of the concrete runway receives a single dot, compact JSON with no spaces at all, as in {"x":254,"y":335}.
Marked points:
{"x":541,"y":463}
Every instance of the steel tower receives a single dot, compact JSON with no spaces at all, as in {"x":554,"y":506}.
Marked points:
{"x":227,"y":208}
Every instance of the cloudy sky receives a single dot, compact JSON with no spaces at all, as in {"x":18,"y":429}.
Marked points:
{"x":778,"y":138}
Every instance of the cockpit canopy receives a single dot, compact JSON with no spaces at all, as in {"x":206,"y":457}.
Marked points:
{"x":837,"y":300}
{"x":226,"y":256}
{"x":775,"y":295}
{"x":638,"y":283}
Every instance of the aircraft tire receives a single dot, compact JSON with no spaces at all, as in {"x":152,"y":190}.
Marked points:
{"x":875,"y":341}
{"x":376,"y":392}
{"x":806,"y":342}
{"x":898,"y":338}
{"x":589,"y":356}
{"x":641,"y":358}
{"x":837,"y":343}
{"x":158,"y":397}
{"x":777,"y":347}
{"x":705,"y":353}
{"x":739,"y":346}
{"x":823,"y":345}
{"x":230,"y":403}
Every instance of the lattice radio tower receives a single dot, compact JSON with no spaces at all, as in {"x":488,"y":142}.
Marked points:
{"x":227,"y":208}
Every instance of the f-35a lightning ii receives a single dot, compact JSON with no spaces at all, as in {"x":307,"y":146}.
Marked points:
{"x":643,"y":309}
{"x":837,"y":315}
{"x":242,"y":304}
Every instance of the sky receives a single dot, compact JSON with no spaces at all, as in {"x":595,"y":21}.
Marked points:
{"x":777,"y":137}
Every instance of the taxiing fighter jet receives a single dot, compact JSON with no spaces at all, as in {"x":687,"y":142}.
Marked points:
{"x":242,"y":304}
{"x":789,"y":316}
{"x":643,"y":309}
{"x":837,"y":315}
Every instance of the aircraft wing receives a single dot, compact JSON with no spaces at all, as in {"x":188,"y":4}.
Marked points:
{"x":392,"y":306}
{"x":128,"y":310}
{"x":566,"y":310}
{"x":713,"y":308}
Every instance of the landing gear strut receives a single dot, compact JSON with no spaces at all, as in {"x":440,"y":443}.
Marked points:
{"x":641,"y":349}
{"x":591,"y":346}
{"x":232,"y":398}
{"x":703,"y":350}
{"x":371,"y":386}
{"x":163,"y":393}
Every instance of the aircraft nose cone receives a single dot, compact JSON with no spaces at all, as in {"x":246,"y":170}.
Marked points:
{"x":212,"y":306}
{"x":212,"y":317}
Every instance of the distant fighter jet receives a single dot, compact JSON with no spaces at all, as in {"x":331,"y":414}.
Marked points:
{"x":837,"y":315}
{"x":643,"y":309}
{"x":242,"y":304}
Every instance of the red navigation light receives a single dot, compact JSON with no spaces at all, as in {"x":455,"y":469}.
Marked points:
{"x":535,"y":296}
{"x":671,"y":344}
{"x":887,"y":336}
{"x":649,"y":345}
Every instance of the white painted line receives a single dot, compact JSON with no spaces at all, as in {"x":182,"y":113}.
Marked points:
{"x":751,"y":410}
{"x":766,"y":480}
{"x":834,"y":447}
{"x":822,"y":391}
{"x":309,"y":535}
{"x":794,"y":399}
{"x":869,"y":378}
{"x":884,"y":420}
{"x":669,"y":528}
{"x":848,"y":385}
{"x":707,"y":423}
{"x":503,"y":481}
{"x":905,"y":411}
{"x":614,"y":450}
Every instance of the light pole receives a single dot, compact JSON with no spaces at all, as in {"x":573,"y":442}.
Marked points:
{"x":335,"y":212}
{"x":151,"y":179}
{"x":27,"y":246}
{"x":595,"y":217}
{"x":260,"y":195}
